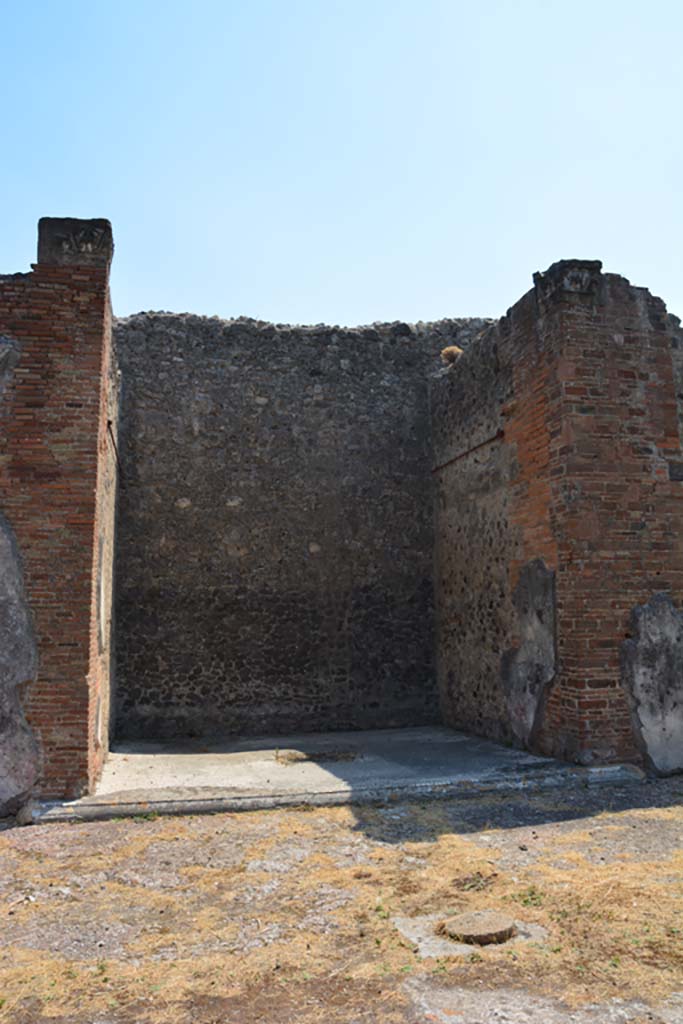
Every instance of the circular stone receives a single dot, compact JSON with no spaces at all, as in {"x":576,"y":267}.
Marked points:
{"x":479,"y":927}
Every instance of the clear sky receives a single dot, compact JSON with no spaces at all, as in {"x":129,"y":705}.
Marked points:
{"x":347,"y":160}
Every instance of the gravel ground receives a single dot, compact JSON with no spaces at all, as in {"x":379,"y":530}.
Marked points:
{"x":289,"y":915}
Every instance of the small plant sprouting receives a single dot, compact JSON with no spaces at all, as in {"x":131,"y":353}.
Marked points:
{"x":531,"y":897}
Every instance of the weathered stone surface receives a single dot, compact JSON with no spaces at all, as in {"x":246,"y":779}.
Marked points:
{"x":19,"y":755}
{"x":275,"y":535}
{"x":527,"y":670}
{"x":71,"y":241}
{"x":478,"y":927}
{"x":428,"y":938}
{"x":573,"y":276}
{"x":9,"y":355}
{"x":652,"y":674}
{"x":26,"y":813}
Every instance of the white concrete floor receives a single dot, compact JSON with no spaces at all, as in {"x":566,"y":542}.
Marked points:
{"x":313,"y":762}
{"x":315,"y":768}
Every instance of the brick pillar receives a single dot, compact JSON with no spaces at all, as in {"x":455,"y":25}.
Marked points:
{"x":57,"y":486}
{"x":615,"y":507}
{"x":557,"y":440}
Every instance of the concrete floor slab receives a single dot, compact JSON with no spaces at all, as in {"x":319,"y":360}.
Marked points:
{"x":317,"y":769}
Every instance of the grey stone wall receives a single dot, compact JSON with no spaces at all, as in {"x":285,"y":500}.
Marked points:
{"x":475,"y":540}
{"x":275,"y":542}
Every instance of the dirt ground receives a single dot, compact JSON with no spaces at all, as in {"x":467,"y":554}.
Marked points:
{"x":288,"y":916}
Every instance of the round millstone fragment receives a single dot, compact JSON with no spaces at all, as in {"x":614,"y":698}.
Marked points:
{"x":479,"y":927}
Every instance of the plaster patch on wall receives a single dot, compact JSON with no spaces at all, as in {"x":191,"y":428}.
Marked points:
{"x":652,"y":675}
{"x":528,"y":669}
{"x":9,"y":356}
{"x":19,"y":754}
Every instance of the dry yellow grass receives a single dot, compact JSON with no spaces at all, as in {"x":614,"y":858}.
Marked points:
{"x":612,"y":929}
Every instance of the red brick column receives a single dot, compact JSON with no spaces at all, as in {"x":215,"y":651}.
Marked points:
{"x":559,"y":517}
{"x":615,"y":513}
{"x":57,"y":487}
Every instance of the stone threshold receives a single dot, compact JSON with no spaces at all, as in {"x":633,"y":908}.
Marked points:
{"x":320,"y":770}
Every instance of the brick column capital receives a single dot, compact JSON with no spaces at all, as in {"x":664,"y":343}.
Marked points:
{"x":69,"y":241}
{"x":568,"y":278}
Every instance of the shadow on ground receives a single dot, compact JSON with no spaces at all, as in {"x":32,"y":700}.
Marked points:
{"x":514,"y":810}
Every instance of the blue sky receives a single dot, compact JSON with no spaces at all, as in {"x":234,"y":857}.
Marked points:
{"x":316,"y":160}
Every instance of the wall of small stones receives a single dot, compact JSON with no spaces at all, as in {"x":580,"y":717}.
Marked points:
{"x":495,"y":555}
{"x":475,"y":538}
{"x":275,"y":540}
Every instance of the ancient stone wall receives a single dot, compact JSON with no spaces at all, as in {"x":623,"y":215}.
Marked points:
{"x":474,"y":542}
{"x":492,"y":499}
{"x":275,"y":537}
{"x":559,"y":499}
{"x":54,"y":448}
